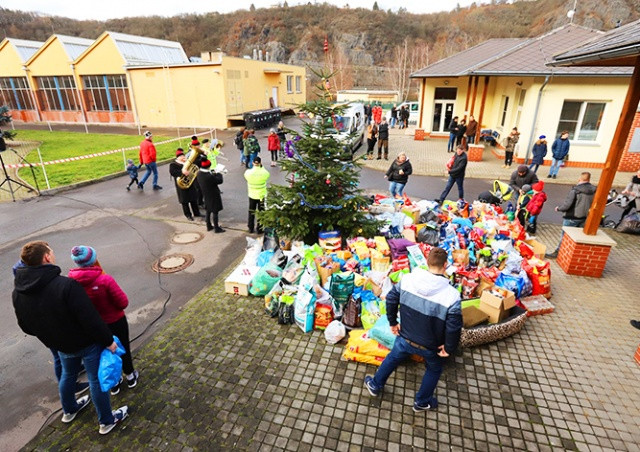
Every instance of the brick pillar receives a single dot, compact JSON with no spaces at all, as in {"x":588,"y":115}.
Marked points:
{"x":584,"y":255}
{"x":630,"y":161}
{"x":475,"y":152}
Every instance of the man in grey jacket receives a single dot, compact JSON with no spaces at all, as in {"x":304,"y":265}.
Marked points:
{"x":521,"y":177}
{"x":576,"y":206}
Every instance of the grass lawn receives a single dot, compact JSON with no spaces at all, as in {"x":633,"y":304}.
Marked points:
{"x":60,"y":145}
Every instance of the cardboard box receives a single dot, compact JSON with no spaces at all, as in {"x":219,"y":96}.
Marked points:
{"x":413,"y":213}
{"x":237,"y":282}
{"x":472,"y":316}
{"x":539,"y":249}
{"x":497,"y":302}
{"x":409,"y":234}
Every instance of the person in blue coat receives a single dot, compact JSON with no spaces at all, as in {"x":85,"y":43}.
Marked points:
{"x":559,"y":150}
{"x":539,"y":153}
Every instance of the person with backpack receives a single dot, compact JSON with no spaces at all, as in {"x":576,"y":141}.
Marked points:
{"x":251,"y":147}
{"x":238,"y":141}
{"x":372,"y":134}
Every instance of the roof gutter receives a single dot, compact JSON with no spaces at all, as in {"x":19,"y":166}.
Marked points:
{"x":547,"y":79}
{"x":602,"y":55}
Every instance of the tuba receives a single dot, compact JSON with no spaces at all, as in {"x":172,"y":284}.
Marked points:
{"x":185,"y":181}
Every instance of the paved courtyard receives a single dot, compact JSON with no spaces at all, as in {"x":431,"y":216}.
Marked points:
{"x":221,"y":375}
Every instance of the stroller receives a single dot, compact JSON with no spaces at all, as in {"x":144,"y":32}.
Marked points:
{"x":629,"y":223}
{"x":501,"y":192}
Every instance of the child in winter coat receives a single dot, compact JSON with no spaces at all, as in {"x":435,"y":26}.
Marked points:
{"x":132,"y":169}
{"x":273,"y":144}
{"x":110,"y":302}
{"x":523,"y":200}
{"x":534,"y":206}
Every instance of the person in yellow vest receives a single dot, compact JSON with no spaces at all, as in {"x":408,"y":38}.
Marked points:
{"x":212,"y":150}
{"x":257,"y":178}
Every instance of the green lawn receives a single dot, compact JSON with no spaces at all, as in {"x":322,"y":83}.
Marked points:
{"x":59,"y":145}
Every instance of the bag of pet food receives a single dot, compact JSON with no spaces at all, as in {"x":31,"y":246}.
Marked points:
{"x":304,"y":307}
{"x":341,"y":288}
{"x":265,"y":279}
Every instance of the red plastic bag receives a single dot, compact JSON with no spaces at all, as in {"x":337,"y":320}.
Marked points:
{"x":539,"y":272}
{"x":400,"y":263}
{"x":450,"y":162}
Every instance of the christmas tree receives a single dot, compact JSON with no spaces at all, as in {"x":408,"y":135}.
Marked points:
{"x":323,"y":193}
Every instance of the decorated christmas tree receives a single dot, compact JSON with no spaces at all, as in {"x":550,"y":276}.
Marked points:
{"x":323,"y":193}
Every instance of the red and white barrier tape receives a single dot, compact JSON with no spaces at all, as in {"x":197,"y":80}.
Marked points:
{"x":97,"y":154}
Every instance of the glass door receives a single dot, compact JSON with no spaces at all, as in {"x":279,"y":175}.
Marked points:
{"x":442,"y":115}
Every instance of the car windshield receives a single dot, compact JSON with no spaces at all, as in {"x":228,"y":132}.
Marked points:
{"x":337,"y":124}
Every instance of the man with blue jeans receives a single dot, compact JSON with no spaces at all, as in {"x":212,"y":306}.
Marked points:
{"x":148,"y":158}
{"x":431,"y":324}
{"x":576,"y":206}
{"x":453,"y":133}
{"x":456,"y":175}
{"x":58,"y":311}
{"x":559,"y":151}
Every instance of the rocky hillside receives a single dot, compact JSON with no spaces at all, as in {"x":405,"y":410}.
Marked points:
{"x":372,"y":48}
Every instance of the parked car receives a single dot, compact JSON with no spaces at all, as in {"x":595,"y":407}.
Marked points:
{"x":348,"y":128}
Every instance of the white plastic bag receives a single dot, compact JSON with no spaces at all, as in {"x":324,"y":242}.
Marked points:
{"x":335,"y":332}
{"x":254,"y":246}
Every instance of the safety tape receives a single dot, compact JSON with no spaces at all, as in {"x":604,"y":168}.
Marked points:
{"x":97,"y":154}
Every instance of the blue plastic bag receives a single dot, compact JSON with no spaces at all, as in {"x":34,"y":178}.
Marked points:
{"x":381,"y":332}
{"x":518,"y":283}
{"x":110,"y":368}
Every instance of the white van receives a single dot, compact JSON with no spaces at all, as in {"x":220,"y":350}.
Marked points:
{"x":348,"y":128}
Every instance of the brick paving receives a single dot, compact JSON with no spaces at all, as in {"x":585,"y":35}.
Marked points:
{"x":221,"y":375}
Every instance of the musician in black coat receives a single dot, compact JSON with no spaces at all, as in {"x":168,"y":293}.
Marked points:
{"x":212,"y":200}
{"x":187,"y":197}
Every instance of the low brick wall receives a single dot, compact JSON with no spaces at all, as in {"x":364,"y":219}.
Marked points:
{"x":582,"y":259}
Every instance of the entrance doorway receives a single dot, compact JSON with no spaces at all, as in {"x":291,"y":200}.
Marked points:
{"x":442,"y":115}
{"x":274,"y":96}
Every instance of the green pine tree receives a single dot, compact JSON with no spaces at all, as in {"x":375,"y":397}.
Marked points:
{"x":5,"y":118}
{"x":375,"y":6}
{"x":323,"y":193}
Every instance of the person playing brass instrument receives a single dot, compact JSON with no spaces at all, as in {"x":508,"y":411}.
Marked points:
{"x":187,"y":197}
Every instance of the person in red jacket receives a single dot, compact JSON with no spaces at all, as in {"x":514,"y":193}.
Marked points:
{"x":273,"y":144}
{"x":148,"y":159}
{"x":110,"y":302}
{"x":534,"y":206}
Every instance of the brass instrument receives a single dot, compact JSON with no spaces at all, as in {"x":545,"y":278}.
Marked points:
{"x":189,"y":166}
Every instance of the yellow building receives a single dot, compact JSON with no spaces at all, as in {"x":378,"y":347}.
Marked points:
{"x":14,"y":84}
{"x":101,"y":74}
{"x":215,"y":93}
{"x":51,"y":74}
{"x":505,"y":83}
{"x":366,"y":96}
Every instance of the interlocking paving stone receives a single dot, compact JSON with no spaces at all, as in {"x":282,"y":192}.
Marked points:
{"x":221,"y":375}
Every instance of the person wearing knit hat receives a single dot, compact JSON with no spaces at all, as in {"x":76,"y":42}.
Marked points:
{"x":57,"y":311}
{"x":109,"y":300}
{"x":132,"y":170}
{"x":147,"y":158}
{"x":522,"y":175}
{"x":187,"y":197}
{"x":539,"y":152}
{"x":534,"y":207}
{"x":524,"y":196}
{"x":209,"y":182}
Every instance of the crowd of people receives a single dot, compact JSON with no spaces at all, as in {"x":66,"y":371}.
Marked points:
{"x":80,"y":315}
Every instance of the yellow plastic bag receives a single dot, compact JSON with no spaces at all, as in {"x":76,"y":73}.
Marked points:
{"x":351,"y":356}
{"x":360,"y":343}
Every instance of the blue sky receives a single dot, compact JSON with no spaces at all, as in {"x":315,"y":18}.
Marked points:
{"x":102,"y":10}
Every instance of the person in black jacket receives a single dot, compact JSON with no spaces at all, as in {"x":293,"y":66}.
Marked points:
{"x":383,"y":139}
{"x":58,"y":311}
{"x":189,"y":196}
{"x":212,"y":199}
{"x":398,"y":175}
{"x":453,"y":131}
{"x":456,"y":175}
{"x":462,"y":130}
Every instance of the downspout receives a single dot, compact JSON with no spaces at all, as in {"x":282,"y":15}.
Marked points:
{"x":535,"y":118}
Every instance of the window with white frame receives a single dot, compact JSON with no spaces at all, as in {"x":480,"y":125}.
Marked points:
{"x":582,"y":119}
{"x":106,"y":92}
{"x":15,"y":93}
{"x":57,"y":93}
{"x":503,"y":112}
{"x":298,"y":84}
{"x":289,"y":83}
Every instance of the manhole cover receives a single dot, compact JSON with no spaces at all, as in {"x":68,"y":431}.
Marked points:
{"x":172,"y":263}
{"x":183,"y":238}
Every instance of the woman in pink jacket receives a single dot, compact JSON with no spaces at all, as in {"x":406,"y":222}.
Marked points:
{"x":110,"y":302}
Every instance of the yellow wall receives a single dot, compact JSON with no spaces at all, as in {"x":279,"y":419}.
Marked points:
{"x":611,"y":90}
{"x":256,"y":87}
{"x":102,"y":59}
{"x":188,"y":96}
{"x":367,"y":97}
{"x":52,"y":60}
{"x":10,"y":62}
